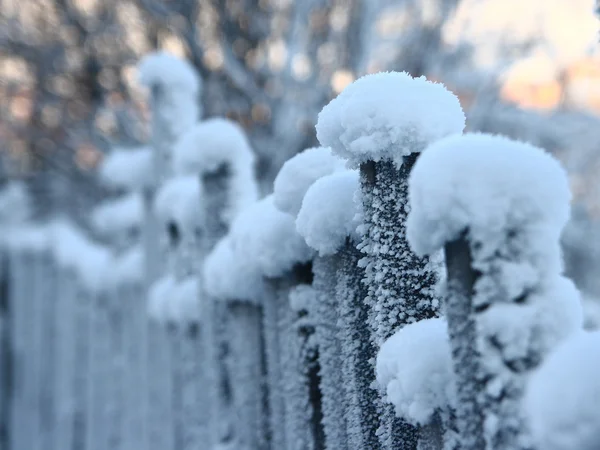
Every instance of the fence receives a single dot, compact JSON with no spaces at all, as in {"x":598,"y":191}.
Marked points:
{"x":209,"y":319}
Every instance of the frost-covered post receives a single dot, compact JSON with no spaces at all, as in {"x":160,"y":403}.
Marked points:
{"x":174,"y":89}
{"x":328,"y":221}
{"x":380,"y":123}
{"x":498,"y":207}
{"x":218,"y":152}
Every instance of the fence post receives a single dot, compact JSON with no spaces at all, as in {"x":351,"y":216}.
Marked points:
{"x":384,"y":141}
{"x":504,"y":261}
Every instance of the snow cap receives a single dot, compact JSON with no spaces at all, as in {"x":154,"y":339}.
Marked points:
{"x":414,"y":366}
{"x":166,"y":69}
{"x":183,"y":306}
{"x":159,"y":296}
{"x":119,"y":215}
{"x":298,"y":173}
{"x":386,"y":116}
{"x":210,"y":144}
{"x":179,"y":201}
{"x":562,"y":396}
{"x":487,"y":184}
{"x":266,"y":237}
{"x":329,"y":213}
{"x":128,"y":169}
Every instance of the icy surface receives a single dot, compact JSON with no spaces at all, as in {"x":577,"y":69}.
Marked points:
{"x":120,"y":215}
{"x":179,"y":201}
{"x":488,"y":184}
{"x":329,"y":213}
{"x":563,"y":396}
{"x":386,"y":116}
{"x":128,"y":169}
{"x":414,"y":366}
{"x":267,"y":238}
{"x":211,"y":144}
{"x":298,"y":173}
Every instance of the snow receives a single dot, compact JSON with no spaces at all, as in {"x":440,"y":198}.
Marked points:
{"x":414,"y":366}
{"x":209,"y":145}
{"x":266,"y":238}
{"x":15,"y":203}
{"x":179,"y":201}
{"x":329,"y":213}
{"x":73,"y":251}
{"x":226,"y":276}
{"x":563,"y":395}
{"x":119,"y":215}
{"x":386,"y":116}
{"x":128,"y":268}
{"x":487,"y":184}
{"x":159,"y":296}
{"x":176,"y":88}
{"x":183,"y":306}
{"x":128,"y":169}
{"x":298,"y":173}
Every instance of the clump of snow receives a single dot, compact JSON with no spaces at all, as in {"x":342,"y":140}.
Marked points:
{"x":386,"y":116}
{"x":303,"y":298}
{"x":179,"y":201}
{"x":183,"y":306}
{"x":298,"y":173}
{"x":210,"y":145}
{"x":29,"y":238}
{"x":128,"y":169}
{"x":563,"y":395}
{"x":128,"y":268}
{"x":227,"y":276}
{"x":159,"y":296}
{"x":414,"y":366}
{"x":591,"y":312}
{"x":15,"y":204}
{"x":488,"y":184}
{"x":73,"y":251}
{"x":329,"y":213}
{"x":120,"y":215}
{"x":267,"y":238}
{"x":176,"y":87}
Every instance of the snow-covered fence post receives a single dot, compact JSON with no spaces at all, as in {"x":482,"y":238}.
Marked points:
{"x":175,"y":105}
{"x":508,"y":201}
{"x":218,"y":152}
{"x":178,"y":206}
{"x":380,"y":123}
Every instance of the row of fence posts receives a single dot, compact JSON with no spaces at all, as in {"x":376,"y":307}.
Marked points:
{"x":209,"y":319}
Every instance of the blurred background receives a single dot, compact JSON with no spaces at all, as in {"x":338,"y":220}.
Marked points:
{"x":68,"y":92}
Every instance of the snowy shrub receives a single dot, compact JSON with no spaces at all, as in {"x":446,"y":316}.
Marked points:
{"x":498,"y":207}
{"x":128,"y":169}
{"x":220,"y":144}
{"x":563,"y":395}
{"x":414,"y":366}
{"x":298,"y":173}
{"x":328,"y":214}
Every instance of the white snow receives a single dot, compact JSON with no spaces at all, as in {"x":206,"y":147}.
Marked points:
{"x":386,"y":116}
{"x":209,"y":145}
{"x":267,"y":238}
{"x":329,"y":213}
{"x":159,"y":296}
{"x":563,"y":395}
{"x":298,"y":173}
{"x":488,"y":184}
{"x":414,"y":366}
{"x":183,"y":306}
{"x":178,"y":87}
{"x":15,"y":203}
{"x":27,"y":237}
{"x":179,"y":200}
{"x":128,"y":268}
{"x":128,"y":169}
{"x":227,"y":276}
{"x":120,"y":215}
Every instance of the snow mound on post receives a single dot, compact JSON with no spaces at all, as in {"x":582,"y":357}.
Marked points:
{"x":488,"y":184}
{"x":183,"y":304}
{"x":119,"y":215}
{"x":128,"y":169}
{"x":387,"y":116}
{"x":414,"y":366}
{"x":267,"y":238}
{"x":563,"y":395}
{"x":328,"y":214}
{"x":298,"y":173}
{"x":179,"y":201}
{"x":210,"y":145}
{"x":159,"y":296}
{"x":226,"y":276}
